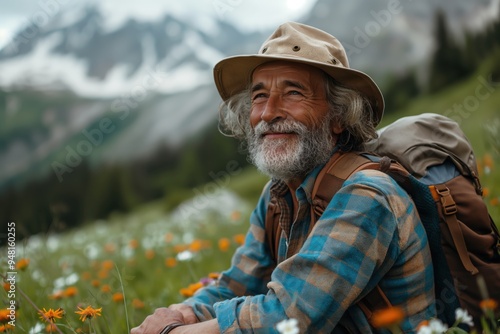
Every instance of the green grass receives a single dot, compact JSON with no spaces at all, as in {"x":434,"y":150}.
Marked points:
{"x":139,"y":244}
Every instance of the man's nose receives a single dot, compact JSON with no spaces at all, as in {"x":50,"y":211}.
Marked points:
{"x":273,"y":110}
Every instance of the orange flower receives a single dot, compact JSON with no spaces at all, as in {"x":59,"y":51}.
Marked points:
{"x":95,"y":283}
{"x":133,"y":244}
{"x":50,"y":328}
{"x":486,"y":192}
{"x":6,"y":286}
{"x":137,"y":303}
{"x":224,"y":244}
{"x":494,"y":201}
{"x":169,"y":237}
{"x":70,"y":291}
{"x":86,"y":275}
{"x":117,"y":297}
{"x":387,"y":318}
{"x":6,"y":327}
{"x":170,"y":262}
{"x":235,"y":216}
{"x":195,"y":246}
{"x":102,"y":274}
{"x":88,"y":312}
{"x":57,"y":295}
{"x":488,"y":304}
{"x":4,"y":315}
{"x":51,"y":315}
{"x":214,"y":275}
{"x":150,"y":254}
{"x":22,"y":264}
{"x":106,"y":288}
{"x":107,"y":265}
{"x":239,"y":239}
{"x":191,"y":289}
{"x":109,"y":248}
{"x":422,"y":324}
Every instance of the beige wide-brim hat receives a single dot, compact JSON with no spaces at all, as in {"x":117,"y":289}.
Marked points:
{"x":296,"y":42}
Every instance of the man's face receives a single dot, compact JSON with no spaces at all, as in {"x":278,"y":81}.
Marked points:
{"x":291,"y":128}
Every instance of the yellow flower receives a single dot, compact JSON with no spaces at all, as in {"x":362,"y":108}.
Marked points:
{"x":387,"y":317}
{"x":88,"y":313}
{"x":51,"y":315}
{"x":22,"y":264}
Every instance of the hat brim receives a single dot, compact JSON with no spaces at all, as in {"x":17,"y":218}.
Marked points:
{"x":232,"y":75}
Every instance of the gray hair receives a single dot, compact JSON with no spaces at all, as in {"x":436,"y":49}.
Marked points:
{"x":351,"y":110}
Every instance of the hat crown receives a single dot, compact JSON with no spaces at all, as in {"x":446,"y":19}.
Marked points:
{"x":297,"y":40}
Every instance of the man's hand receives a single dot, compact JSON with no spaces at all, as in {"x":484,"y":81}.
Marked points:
{"x":176,"y":313}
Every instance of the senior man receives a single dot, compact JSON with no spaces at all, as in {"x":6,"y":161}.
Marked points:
{"x":299,"y":105}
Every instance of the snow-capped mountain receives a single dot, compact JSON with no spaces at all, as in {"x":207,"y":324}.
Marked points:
{"x":153,"y":79}
{"x":77,"y":51}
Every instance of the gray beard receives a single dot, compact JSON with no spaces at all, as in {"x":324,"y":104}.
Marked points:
{"x":286,"y":159}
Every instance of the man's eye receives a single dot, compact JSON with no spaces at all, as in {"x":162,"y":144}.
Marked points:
{"x":294,"y":92}
{"x":257,"y":96}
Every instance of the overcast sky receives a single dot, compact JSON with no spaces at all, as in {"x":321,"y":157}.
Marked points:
{"x":248,"y":14}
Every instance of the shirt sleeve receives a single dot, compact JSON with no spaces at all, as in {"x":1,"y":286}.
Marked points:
{"x":351,"y":247}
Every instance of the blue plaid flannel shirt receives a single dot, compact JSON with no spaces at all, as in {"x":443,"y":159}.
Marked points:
{"x":369,"y":234}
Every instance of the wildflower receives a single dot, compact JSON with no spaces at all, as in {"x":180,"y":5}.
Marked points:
{"x":117,"y":297}
{"x":5,"y":328}
{"x":170,"y":262}
{"x":494,"y":201}
{"x":235,"y":216}
{"x":169,"y":237}
{"x":51,"y":315}
{"x":150,"y":254}
{"x":86,"y":275}
{"x":107,"y":265}
{"x":191,"y":289}
{"x":70,"y":291}
{"x":22,"y":264}
{"x":387,"y":318}
{"x":288,"y":326}
{"x":95,"y":283}
{"x":110,"y":248}
{"x":224,"y":244}
{"x":239,"y":239}
{"x":133,"y":244}
{"x":488,"y":304}
{"x":137,"y":303}
{"x":88,"y":313}
{"x":195,"y":246}
{"x":4,"y":315}
{"x":6,"y":286}
{"x":50,"y":328}
{"x":102,"y":274}
{"x":463,"y":317}
{"x":106,"y":288}
{"x":434,"y":326}
{"x":213,"y":275}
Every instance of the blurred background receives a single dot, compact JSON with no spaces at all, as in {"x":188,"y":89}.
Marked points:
{"x":108,"y":107}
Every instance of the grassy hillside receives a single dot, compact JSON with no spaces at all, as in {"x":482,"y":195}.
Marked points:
{"x":130,"y":264}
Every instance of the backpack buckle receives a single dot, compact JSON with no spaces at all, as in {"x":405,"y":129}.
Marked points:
{"x":447,"y":202}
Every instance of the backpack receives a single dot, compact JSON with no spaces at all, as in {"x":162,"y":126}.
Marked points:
{"x":432,"y":160}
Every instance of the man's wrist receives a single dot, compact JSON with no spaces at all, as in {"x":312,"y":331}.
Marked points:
{"x":170,"y":328}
